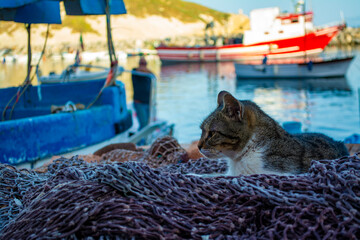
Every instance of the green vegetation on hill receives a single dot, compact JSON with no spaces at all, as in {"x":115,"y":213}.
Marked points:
{"x":9,"y":27}
{"x":179,"y":9}
{"x":77,"y":24}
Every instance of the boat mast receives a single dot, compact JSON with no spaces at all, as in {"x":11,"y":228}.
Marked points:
{"x":111,"y":49}
{"x":28,"y":29}
{"x":112,"y":55}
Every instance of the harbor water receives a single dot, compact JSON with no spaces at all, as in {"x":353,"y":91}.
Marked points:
{"x":187,"y":93}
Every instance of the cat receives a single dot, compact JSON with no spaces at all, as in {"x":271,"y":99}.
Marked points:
{"x":254,"y":143}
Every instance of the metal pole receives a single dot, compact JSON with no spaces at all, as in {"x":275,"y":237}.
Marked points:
{"x":152,"y":115}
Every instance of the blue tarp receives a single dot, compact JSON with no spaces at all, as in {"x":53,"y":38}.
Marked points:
{"x":39,"y":11}
{"x":7,"y":14}
{"x":15,"y":3}
{"x":93,"y":7}
{"x":48,"y":11}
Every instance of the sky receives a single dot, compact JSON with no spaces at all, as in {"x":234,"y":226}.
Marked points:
{"x":325,"y":11}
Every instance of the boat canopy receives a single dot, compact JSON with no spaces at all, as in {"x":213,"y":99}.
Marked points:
{"x":30,"y":11}
{"x":15,"y":3}
{"x":94,"y":7}
{"x":48,"y":11}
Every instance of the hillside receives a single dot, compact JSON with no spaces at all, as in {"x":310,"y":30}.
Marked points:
{"x":186,"y":12}
{"x":146,"y":20}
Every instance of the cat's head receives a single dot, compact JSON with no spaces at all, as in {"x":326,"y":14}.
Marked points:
{"x":226,"y":130}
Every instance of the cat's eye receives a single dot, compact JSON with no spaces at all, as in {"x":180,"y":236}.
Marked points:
{"x":211,"y":134}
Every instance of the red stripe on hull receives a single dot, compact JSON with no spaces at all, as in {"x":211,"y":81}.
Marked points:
{"x":313,"y":42}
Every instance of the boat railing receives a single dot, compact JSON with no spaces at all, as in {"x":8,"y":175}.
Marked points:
{"x":86,"y":66}
{"x":65,"y":75}
{"x":331,"y":24}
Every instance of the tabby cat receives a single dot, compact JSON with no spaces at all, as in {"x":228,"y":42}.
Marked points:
{"x":255,"y":143}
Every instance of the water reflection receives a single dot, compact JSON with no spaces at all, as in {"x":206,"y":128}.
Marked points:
{"x":313,"y":102}
{"x":13,"y":74}
{"x":213,"y":70}
{"x":317,"y":84}
{"x":188,"y":92}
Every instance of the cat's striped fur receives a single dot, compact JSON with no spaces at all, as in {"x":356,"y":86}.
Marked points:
{"x":255,"y":143}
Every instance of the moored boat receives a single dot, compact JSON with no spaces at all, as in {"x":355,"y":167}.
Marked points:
{"x":73,"y":73}
{"x":274,"y":34}
{"x":84,"y":72}
{"x":31,"y":131}
{"x":295,"y":69}
{"x":38,"y":122}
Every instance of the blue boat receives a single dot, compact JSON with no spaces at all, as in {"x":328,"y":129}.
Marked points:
{"x":33,"y":132}
{"x":38,"y":122}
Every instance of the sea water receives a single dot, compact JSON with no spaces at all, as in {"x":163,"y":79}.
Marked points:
{"x":187,"y":93}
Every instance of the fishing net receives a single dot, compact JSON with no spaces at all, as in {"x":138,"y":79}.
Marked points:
{"x":75,"y":199}
{"x":165,"y":150}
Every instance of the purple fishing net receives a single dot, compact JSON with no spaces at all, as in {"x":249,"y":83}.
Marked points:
{"x":79,"y":200}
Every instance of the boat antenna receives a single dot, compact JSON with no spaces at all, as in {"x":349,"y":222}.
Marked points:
{"x":342,"y":17}
{"x":304,"y":15}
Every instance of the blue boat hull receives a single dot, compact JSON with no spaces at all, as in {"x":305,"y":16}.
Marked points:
{"x":34,"y":133}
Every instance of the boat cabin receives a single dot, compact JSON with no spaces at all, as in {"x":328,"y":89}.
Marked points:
{"x":268,"y":24}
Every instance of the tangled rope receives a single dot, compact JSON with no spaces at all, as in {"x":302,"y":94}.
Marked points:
{"x":75,"y":199}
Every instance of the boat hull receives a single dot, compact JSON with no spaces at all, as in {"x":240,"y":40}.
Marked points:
{"x":33,"y":133}
{"x":308,"y":44}
{"x":81,"y":76}
{"x":324,"y":69}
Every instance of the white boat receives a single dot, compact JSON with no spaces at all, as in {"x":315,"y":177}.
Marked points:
{"x":75,"y":74}
{"x":295,"y":69}
{"x":101,"y":56}
{"x":81,"y":72}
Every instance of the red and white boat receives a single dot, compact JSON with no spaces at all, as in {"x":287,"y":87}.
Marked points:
{"x":274,"y":34}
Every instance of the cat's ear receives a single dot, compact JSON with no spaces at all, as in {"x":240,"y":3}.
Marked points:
{"x":232,"y":107}
{"x":221,"y":95}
